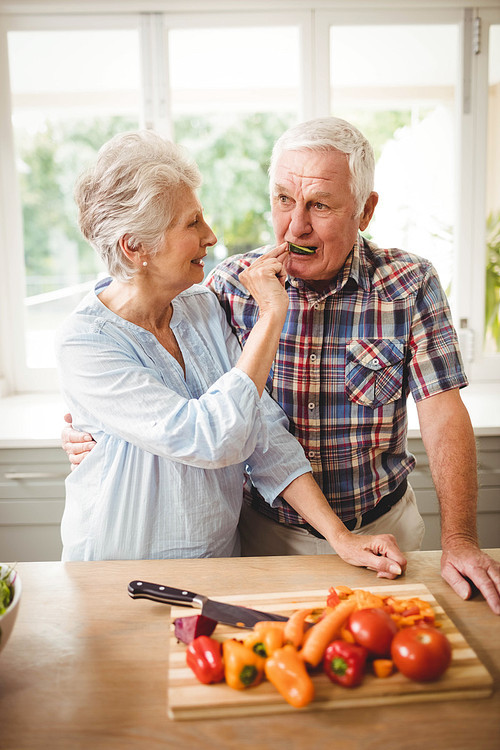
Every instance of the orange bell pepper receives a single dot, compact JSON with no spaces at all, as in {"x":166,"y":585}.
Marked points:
{"x":265,"y":640}
{"x":286,"y":670}
{"x":243,"y":668}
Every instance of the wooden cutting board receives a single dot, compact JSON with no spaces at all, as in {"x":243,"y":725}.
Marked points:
{"x":466,"y":676}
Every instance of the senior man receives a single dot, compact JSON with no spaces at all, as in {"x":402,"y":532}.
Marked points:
{"x":365,"y":328}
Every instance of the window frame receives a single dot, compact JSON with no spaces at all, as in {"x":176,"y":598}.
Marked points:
{"x":481,"y":367}
{"x":314,"y":19}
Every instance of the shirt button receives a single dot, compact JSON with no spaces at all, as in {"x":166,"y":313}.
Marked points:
{"x":375,"y":361}
{"x":313,"y":358}
{"x":311,"y":405}
{"x":311,"y":454}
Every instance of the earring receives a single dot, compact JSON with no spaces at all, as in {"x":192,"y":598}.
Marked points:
{"x":144,"y":263}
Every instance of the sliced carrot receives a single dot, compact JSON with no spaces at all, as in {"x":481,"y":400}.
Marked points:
{"x":365,"y":599}
{"x":383,"y":667}
{"x":296,"y":626}
{"x":325,"y":631}
{"x":343,"y":591}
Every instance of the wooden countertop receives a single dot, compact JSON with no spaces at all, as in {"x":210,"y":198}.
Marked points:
{"x":86,"y":666}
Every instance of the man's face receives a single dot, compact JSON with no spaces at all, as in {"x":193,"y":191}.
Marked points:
{"x":313,"y":206}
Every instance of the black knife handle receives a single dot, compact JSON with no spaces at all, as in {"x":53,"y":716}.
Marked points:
{"x":160,"y":593}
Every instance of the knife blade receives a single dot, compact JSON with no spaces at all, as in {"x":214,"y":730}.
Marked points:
{"x":229,"y":614}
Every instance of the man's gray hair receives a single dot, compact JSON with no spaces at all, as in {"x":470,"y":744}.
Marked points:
{"x":132,"y":190}
{"x":326,"y":133}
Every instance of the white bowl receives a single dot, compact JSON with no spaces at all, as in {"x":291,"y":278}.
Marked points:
{"x":8,"y":619}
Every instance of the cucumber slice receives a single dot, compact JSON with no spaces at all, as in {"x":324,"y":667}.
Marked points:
{"x":298,"y":250}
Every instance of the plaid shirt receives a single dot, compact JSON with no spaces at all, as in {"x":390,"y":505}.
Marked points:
{"x":347,"y":360}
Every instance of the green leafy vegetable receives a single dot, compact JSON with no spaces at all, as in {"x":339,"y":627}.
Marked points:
{"x":6,"y":591}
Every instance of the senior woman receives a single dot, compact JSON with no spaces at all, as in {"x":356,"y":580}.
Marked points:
{"x":149,"y":366}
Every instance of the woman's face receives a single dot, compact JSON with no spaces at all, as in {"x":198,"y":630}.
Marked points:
{"x":179,"y":260}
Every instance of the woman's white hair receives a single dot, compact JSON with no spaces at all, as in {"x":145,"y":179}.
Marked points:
{"x":131,"y":190}
{"x":326,"y":133}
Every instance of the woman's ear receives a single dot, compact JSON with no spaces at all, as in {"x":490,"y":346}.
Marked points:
{"x":132,"y":252}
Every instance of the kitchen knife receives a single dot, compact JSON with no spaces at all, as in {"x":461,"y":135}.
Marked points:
{"x":229,"y":614}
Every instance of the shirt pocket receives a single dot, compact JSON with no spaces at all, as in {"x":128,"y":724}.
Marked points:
{"x":374,"y":371}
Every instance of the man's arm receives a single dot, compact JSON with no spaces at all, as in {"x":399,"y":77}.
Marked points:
{"x":448,"y":439}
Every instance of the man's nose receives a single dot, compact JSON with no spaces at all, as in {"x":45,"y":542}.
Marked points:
{"x":300,"y":222}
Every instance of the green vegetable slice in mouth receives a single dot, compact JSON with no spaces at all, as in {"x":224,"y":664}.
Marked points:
{"x":299,"y":250}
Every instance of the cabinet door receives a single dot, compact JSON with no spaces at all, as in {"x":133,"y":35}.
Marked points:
{"x":31,"y":503}
{"x":488,"y":507}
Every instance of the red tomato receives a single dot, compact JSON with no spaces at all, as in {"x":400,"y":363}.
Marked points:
{"x":421,"y":652}
{"x":374,"y":629}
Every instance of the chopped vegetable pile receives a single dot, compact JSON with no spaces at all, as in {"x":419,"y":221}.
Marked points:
{"x":355,"y":633}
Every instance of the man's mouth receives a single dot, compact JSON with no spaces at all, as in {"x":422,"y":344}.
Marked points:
{"x":301,"y":250}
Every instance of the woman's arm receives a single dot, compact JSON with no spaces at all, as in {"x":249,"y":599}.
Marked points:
{"x":379,"y":552}
{"x":265,"y":280}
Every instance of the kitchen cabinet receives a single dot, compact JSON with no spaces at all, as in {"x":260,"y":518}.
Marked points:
{"x":31,"y":502}
{"x":32,"y":498}
{"x":488,"y":512}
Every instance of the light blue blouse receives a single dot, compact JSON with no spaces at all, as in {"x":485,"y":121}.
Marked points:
{"x":165,"y":479}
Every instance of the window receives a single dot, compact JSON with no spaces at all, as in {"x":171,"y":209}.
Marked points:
{"x":423,"y":86}
{"x":228,"y":113}
{"x":61,"y":114}
{"x":492,"y":284}
{"x":422,"y":83}
{"x":407,"y":110}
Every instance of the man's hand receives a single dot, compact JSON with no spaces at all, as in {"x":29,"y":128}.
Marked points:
{"x":76,"y":444}
{"x":464,"y":567}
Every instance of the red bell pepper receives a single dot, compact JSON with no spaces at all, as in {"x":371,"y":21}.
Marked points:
{"x":204,"y":657}
{"x":344,"y":663}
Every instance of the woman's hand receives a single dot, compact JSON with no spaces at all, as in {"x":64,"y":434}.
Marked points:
{"x":378,"y":552}
{"x":265,"y":280}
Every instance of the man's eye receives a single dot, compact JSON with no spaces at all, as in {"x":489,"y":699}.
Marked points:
{"x":320,"y":206}
{"x":283,"y":198}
